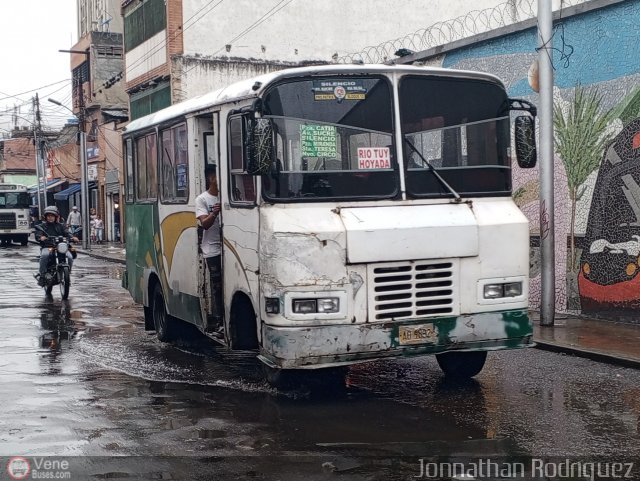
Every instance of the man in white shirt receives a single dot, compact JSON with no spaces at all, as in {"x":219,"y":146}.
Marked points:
{"x":208,"y":215}
{"x":75,"y":220}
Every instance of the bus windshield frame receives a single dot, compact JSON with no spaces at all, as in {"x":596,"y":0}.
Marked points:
{"x":335,"y":138}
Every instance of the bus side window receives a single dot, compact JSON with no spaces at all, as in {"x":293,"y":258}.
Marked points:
{"x":175,"y":165}
{"x":129,"y":169}
{"x":242,"y":184}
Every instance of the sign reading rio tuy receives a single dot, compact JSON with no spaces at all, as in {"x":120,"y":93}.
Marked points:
{"x":19,"y":467}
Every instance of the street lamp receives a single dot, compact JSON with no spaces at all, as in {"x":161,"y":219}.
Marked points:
{"x":84,"y":186}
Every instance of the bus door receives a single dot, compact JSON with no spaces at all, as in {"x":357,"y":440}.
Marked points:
{"x":209,"y":154}
{"x":240,"y":219}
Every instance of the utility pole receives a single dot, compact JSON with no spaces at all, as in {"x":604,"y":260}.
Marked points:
{"x":547,"y":207}
{"x":82,"y":142}
{"x":84,"y":184}
{"x":38,"y":143}
{"x":35,"y":143}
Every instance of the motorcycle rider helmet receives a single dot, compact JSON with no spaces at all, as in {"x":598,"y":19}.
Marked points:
{"x":52,"y":209}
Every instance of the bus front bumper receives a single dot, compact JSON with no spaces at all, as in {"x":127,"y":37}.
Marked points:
{"x":324,"y":346}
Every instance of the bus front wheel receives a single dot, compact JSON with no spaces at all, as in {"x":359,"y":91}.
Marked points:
{"x":65,"y":282}
{"x":164,"y":324}
{"x":461,"y":365}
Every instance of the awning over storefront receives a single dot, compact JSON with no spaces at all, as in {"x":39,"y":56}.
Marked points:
{"x":64,"y":194}
{"x":69,"y":191}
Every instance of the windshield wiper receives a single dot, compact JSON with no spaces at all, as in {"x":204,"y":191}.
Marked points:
{"x":434,"y":171}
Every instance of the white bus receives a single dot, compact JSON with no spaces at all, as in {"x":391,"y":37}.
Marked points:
{"x":366,"y":213}
{"x":14,"y":214}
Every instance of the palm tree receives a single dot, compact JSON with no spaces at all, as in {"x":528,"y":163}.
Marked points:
{"x":580,"y":140}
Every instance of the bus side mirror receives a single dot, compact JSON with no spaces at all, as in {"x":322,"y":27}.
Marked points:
{"x":260,"y":147}
{"x":525,"y":133}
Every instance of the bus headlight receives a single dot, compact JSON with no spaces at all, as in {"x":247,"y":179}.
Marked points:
{"x":493,"y":291}
{"x":323,"y":305}
{"x":329,"y":304}
{"x":507,"y":289}
{"x":513,"y":289}
{"x":305,"y":306}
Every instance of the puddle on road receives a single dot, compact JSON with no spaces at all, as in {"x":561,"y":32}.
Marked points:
{"x":138,"y":354}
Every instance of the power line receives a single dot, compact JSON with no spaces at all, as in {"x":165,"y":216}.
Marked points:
{"x":33,"y":90}
{"x":270,"y":13}
{"x":258,"y":22}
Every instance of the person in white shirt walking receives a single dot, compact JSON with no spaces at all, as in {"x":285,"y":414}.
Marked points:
{"x":74,"y":221}
{"x":208,"y":215}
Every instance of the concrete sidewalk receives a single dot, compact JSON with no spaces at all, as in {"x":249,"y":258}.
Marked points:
{"x":604,"y":341}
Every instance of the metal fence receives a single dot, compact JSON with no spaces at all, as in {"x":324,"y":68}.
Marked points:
{"x":441,"y":33}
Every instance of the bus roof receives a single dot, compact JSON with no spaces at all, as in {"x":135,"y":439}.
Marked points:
{"x":254,"y":86}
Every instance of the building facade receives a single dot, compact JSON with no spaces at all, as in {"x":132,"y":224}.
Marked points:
{"x":18,"y":158}
{"x":179,"y":49}
{"x":100,"y":104}
{"x":98,"y":16}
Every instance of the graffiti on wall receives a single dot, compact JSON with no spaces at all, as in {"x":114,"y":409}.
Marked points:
{"x":595,"y":209}
{"x":609,"y":276}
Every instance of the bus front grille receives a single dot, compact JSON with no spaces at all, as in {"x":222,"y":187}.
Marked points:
{"x":410,"y":290}
{"x":7,"y":220}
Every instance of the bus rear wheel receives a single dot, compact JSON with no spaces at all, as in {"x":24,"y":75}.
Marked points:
{"x":461,"y":365}
{"x":165,"y":325}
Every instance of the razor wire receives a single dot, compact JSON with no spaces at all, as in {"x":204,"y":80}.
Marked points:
{"x":441,"y":33}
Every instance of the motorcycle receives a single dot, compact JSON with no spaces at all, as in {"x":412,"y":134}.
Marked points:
{"x":58,"y":269}
{"x":76,"y":231}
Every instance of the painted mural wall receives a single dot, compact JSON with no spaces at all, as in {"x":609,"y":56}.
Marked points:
{"x":597,"y":186}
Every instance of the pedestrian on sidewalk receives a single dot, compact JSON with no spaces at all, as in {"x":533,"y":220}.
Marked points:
{"x":74,"y":221}
{"x":98,"y":226}
{"x":92,"y":218}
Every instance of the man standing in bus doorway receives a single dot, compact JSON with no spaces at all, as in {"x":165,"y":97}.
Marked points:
{"x":208,"y":215}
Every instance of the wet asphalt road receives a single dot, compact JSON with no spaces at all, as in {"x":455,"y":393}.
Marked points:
{"x":82,"y":378}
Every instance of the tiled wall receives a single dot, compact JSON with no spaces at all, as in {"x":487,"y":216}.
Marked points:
{"x":594,"y":50}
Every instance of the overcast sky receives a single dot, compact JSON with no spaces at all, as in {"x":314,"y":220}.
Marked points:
{"x":31,"y":33}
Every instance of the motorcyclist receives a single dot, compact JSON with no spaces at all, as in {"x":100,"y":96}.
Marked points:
{"x":50,"y":228}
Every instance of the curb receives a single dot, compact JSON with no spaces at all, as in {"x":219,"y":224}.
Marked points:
{"x":585,"y":353}
{"x":101,"y":256}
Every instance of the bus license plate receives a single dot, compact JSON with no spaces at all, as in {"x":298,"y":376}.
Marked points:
{"x":418,"y":334}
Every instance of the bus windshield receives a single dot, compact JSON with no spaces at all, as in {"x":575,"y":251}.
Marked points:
{"x":14,"y":200}
{"x":458,"y":126}
{"x":333,"y":139}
